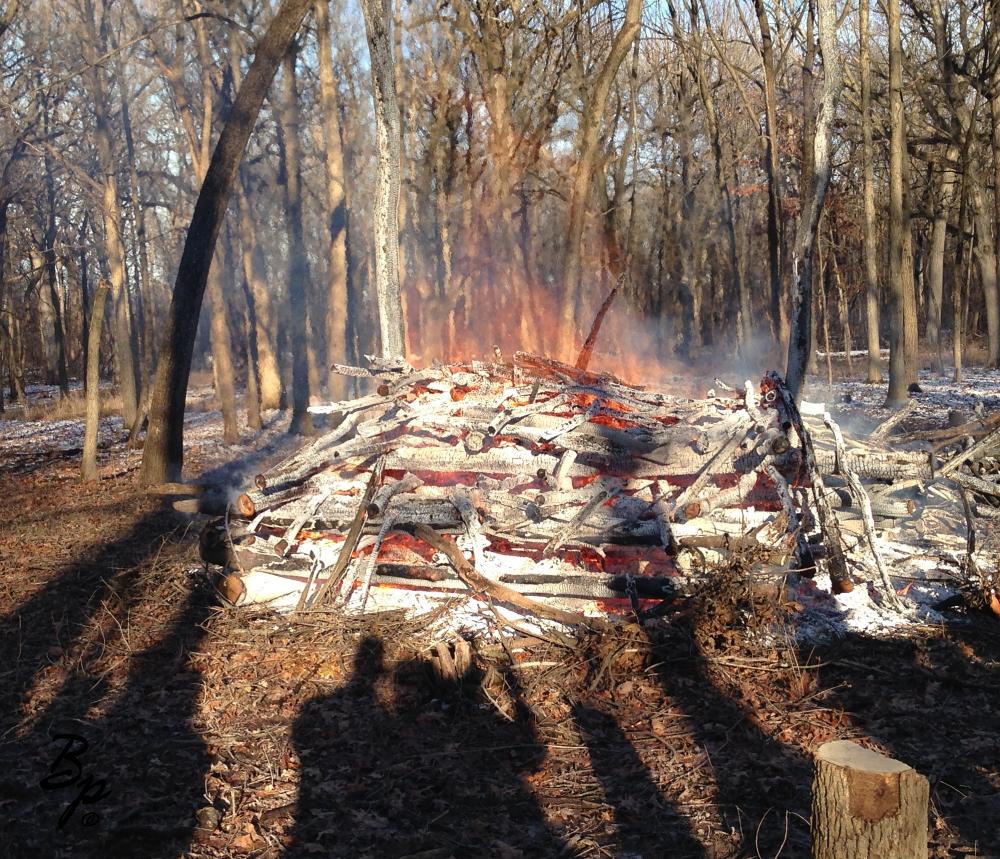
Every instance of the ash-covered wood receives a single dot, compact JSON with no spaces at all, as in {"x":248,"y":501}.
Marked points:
{"x":544,"y":472}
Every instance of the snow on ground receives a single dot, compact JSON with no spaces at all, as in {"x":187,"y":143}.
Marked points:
{"x":978,"y":390}
{"x":27,"y":439}
{"x":924,"y":551}
{"x":26,"y":444}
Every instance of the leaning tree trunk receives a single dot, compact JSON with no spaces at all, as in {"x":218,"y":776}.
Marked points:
{"x":800,"y":341}
{"x":378,"y":25}
{"x":163,"y":455}
{"x":88,"y":468}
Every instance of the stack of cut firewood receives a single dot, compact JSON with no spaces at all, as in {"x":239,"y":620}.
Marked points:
{"x":554,"y":483}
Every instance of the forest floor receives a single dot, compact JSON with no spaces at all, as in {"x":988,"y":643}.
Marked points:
{"x":138,"y":718}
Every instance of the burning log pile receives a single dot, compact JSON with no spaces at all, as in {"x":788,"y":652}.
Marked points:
{"x":561,"y":492}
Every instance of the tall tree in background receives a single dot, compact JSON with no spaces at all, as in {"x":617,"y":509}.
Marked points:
{"x":993,"y":83}
{"x":298,"y":261}
{"x":800,"y":344}
{"x":378,"y":23}
{"x":773,"y":169}
{"x":901,"y":370}
{"x":336,"y":214}
{"x":588,"y":142}
{"x":163,"y":456}
{"x":869,"y":234}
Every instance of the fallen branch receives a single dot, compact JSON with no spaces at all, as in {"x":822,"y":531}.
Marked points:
{"x":865,"y":504}
{"x":588,"y":346}
{"x":351,"y":540}
{"x":481,"y":585}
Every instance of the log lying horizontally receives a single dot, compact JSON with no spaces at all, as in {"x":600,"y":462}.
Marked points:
{"x":566,"y":477}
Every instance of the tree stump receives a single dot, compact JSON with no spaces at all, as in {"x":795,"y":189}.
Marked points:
{"x":865,"y":805}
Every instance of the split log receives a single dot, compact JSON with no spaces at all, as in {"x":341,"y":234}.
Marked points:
{"x":865,"y":804}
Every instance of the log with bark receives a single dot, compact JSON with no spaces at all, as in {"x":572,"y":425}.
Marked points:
{"x":560,"y":480}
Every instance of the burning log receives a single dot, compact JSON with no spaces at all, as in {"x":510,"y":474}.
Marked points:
{"x":501,"y":593}
{"x":554,"y":475}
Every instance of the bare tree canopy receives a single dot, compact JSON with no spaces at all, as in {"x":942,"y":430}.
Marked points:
{"x":438,"y":181}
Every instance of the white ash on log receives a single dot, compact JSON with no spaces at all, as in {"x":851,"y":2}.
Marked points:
{"x":549,"y":478}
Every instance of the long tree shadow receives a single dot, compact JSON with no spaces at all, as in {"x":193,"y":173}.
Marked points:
{"x":754,"y":774}
{"x":933,"y":703}
{"x":646,"y":822}
{"x":436,"y":770}
{"x":98,"y":753}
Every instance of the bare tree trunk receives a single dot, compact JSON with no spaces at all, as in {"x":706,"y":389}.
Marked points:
{"x":298,"y":261}
{"x":88,"y":467}
{"x":958,"y":276}
{"x":935,"y":262}
{"x":222,"y":356}
{"x":869,"y":233}
{"x":843,"y":310}
{"x":51,"y":234}
{"x":265,"y":326}
{"x":163,"y":455}
{"x":140,"y":327}
{"x":772,"y":166}
{"x":699,"y":71}
{"x":114,"y":246}
{"x":336,"y":214}
{"x":800,"y":342}
{"x":378,"y":25}
{"x":588,"y":140}
{"x":987,"y":260}
{"x":900,"y":274}
{"x":993,"y":53}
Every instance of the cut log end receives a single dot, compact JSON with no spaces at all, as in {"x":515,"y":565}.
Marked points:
{"x":246,"y":506}
{"x":842,"y":586}
{"x":866,"y":804}
{"x":231,"y":589}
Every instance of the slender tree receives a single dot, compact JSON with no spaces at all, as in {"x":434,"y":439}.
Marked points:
{"x":901,"y":371}
{"x":378,"y":26}
{"x":800,"y":345}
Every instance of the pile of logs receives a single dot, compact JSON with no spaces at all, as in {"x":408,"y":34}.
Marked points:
{"x":569,"y":491}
